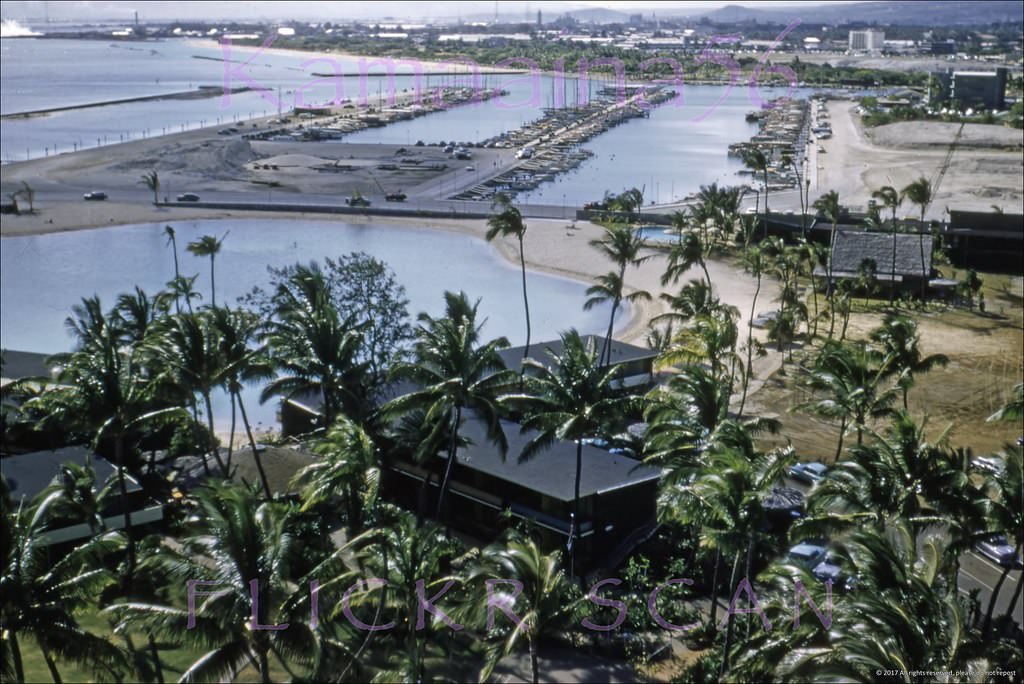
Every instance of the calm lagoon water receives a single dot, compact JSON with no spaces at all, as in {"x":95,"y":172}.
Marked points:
{"x":681,"y":147}
{"x":44,"y":276}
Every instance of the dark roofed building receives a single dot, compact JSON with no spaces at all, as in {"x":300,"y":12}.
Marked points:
{"x":852,"y":247}
{"x":21,"y":365}
{"x":617,"y":494}
{"x":29,"y":474}
{"x":636,"y":363}
{"x":985,"y":239}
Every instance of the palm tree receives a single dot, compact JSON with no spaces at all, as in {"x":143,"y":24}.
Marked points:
{"x":569,"y":399}
{"x":903,"y":612}
{"x":541,"y":601}
{"x":454,"y":373}
{"x":245,"y":550}
{"x":899,"y":475}
{"x":508,"y":222}
{"x":171,"y":235}
{"x":136,"y":313}
{"x":755,"y":262}
{"x":207,"y":245}
{"x":244,"y":361}
{"x":622,"y":245}
{"x":1005,"y":491}
{"x":1014,"y":408}
{"x":848,"y":378}
{"x":610,"y":287}
{"x":350,"y":465}
{"x":899,"y":339}
{"x":407,"y":556}
{"x":41,"y":593}
{"x":696,"y":298}
{"x":756,"y":161}
{"x":315,"y":350}
{"x":920,"y":193}
{"x":891,"y":199}
{"x":104,"y":391}
{"x":152,"y":181}
{"x":709,"y":338}
{"x":188,"y":348}
{"x":682,"y":256}
{"x":726,"y":500}
{"x":829,"y":207}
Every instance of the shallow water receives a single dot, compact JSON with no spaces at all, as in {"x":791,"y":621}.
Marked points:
{"x":45,"y":275}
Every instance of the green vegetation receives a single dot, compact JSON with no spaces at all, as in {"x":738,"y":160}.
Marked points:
{"x":900,"y":509}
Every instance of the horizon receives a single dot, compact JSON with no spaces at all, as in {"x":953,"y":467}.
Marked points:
{"x":270,"y":10}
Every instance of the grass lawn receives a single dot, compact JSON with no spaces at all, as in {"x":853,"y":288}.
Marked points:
{"x":174,"y":661}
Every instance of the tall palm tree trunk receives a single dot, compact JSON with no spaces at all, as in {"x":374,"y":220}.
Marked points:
{"x":1016,"y":596}
{"x":574,"y":530}
{"x":534,"y":666}
{"x":729,"y":628}
{"x":213,"y":284}
{"x":606,"y":347}
{"x":264,"y":665}
{"x":526,"y":302}
{"x":987,"y":627}
{"x":255,"y":451}
{"x":453,"y":448}
{"x":830,"y":287}
{"x":51,"y":665}
{"x":713,"y":624}
{"x":231,"y":435}
{"x":924,"y":276}
{"x":842,"y":432}
{"x":213,"y":439}
{"x":892,"y":275}
{"x":19,"y":669}
{"x":750,"y":345}
{"x":125,"y":508}
{"x":154,"y":653}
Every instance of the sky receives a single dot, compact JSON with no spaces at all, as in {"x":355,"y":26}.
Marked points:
{"x":256,"y":10}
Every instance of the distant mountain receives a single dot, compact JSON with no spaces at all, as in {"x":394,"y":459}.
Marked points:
{"x":922,"y":13}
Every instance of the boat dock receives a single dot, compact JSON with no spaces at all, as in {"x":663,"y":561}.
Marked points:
{"x":555,"y":139}
{"x":781,"y":137}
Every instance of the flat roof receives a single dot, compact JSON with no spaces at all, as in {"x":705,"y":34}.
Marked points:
{"x":19,"y":365}
{"x":621,"y":352}
{"x":551,"y":472}
{"x":29,"y":474}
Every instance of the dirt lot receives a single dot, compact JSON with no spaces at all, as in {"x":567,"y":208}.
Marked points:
{"x":984,"y":351}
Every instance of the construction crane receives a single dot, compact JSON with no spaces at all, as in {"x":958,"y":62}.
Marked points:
{"x":389,"y":196}
{"x":945,"y":162}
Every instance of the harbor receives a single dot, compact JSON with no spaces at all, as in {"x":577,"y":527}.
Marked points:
{"x":782,"y":136}
{"x":551,"y":145}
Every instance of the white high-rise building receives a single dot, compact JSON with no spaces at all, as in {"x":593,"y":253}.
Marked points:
{"x":866,"y":41}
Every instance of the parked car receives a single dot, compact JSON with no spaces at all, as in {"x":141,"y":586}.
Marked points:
{"x":990,"y":464}
{"x":95,"y":195}
{"x":357,"y":201}
{"x":830,"y":569}
{"x":188,"y":197}
{"x":395,"y":197}
{"x":812,"y":473}
{"x":807,"y":554}
{"x":997,"y":547}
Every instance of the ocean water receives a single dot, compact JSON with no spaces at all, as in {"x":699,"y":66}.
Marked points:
{"x":45,"y":275}
{"x":681,"y":147}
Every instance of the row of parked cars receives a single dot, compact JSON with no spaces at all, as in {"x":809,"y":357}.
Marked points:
{"x":99,"y":196}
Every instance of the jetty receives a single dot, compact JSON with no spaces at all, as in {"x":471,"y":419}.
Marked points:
{"x":782,"y":134}
{"x":555,"y":140}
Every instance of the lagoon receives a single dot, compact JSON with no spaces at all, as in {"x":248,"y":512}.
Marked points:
{"x":45,"y":275}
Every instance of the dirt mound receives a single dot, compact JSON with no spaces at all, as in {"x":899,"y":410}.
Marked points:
{"x":937,"y":133}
